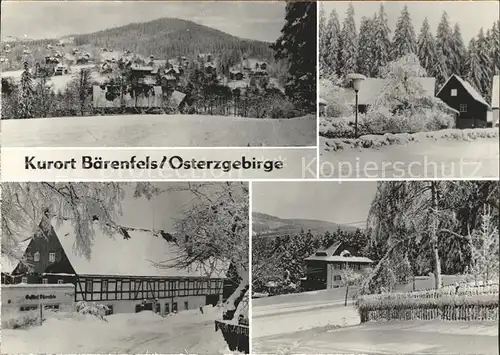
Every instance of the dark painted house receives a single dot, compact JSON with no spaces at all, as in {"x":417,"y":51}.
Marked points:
{"x":119,"y":272}
{"x":461,"y":96}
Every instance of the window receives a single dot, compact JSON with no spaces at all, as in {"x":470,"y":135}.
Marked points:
{"x":453,"y":92}
{"x":174,"y":307}
{"x":52,"y":257}
{"x":186,"y":305}
{"x":337,"y":278}
{"x":37,"y":256}
{"x":24,"y":280}
{"x":60,"y":281}
{"x":463,"y":107}
{"x":45,"y":280}
{"x":88,"y":286}
{"x":167,"y":308}
{"x":27,"y":308}
{"x":53,"y":307}
{"x":104,"y":285}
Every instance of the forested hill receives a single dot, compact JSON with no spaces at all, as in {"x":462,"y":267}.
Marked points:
{"x":169,"y":37}
{"x":270,"y":226}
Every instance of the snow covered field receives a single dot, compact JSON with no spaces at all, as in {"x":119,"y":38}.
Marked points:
{"x":186,"y":332}
{"x":158,"y":130}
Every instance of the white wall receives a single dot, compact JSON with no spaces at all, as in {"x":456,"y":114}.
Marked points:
{"x":18,"y":295}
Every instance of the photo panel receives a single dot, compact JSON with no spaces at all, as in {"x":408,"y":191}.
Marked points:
{"x":158,"y":74}
{"x":409,"y":89}
{"x":375,"y":267}
{"x":139,"y":267}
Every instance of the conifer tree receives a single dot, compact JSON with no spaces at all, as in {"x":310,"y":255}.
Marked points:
{"x":323,"y":38}
{"x":458,"y":50}
{"x":444,"y":42}
{"x":495,"y":47}
{"x":366,"y":46}
{"x":404,"y":41}
{"x":474,"y":65}
{"x":426,"y":48}
{"x":297,"y":44}
{"x":333,"y":53}
{"x":27,"y":94}
{"x":439,"y":68}
{"x":486,"y":77}
{"x":382,"y":47}
{"x":349,"y":47}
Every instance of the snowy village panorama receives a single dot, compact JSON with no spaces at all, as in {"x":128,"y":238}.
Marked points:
{"x":409,"y":89}
{"x":166,"y":74}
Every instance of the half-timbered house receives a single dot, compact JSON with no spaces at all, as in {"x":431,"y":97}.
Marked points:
{"x":126,"y":274}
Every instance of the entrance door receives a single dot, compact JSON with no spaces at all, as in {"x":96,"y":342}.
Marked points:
{"x":174,"y":307}
{"x":148,"y":306}
{"x":212,"y":299}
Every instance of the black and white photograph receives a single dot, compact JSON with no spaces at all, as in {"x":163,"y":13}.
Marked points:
{"x":367,"y":267}
{"x":158,"y":74}
{"x":137,"y":267}
{"x":409,"y":89}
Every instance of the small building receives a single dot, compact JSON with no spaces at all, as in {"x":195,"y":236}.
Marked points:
{"x":210,"y":68}
{"x":463,"y":97}
{"x":61,"y":69}
{"x":495,"y":98}
{"x":325,"y":268}
{"x":322,"y":106}
{"x":121,"y":271}
{"x":235,"y":74}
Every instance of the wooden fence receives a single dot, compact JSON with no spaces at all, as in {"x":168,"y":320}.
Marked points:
{"x":471,"y":312}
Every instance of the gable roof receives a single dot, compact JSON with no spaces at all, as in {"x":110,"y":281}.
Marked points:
{"x":371,"y":88}
{"x":335,"y":253}
{"x":468,"y":87}
{"x":495,"y":92}
{"x":113,"y":255}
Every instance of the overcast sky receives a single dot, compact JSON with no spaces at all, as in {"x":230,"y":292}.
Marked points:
{"x":471,"y":15}
{"x":49,"y":19}
{"x":344,"y":202}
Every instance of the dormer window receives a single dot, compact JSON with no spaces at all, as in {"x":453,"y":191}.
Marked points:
{"x":36,"y":257}
{"x":453,"y":92}
{"x":345,"y":254}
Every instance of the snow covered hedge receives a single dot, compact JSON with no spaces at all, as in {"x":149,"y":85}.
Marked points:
{"x":468,"y":303}
{"x":21,"y":320}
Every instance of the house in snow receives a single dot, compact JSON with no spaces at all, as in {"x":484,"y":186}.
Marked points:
{"x":325,"y":268}
{"x":120,"y":271}
{"x":495,"y":97}
{"x":372,"y":87}
{"x":463,"y":97}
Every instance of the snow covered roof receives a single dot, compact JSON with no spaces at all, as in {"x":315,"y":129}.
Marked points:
{"x":336,"y":254}
{"x":371,"y":88}
{"x":469,"y":88}
{"x":178,"y":97}
{"x":322,"y":101}
{"x":338,"y":258}
{"x":495,"y":92}
{"x":112,"y":255}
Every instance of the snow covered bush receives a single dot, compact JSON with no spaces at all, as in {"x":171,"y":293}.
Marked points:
{"x":96,"y":310}
{"x":337,"y":104}
{"x":336,"y":128}
{"x":21,"y":320}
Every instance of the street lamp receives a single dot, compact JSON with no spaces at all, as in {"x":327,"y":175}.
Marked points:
{"x":356,"y":84}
